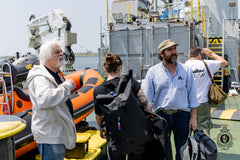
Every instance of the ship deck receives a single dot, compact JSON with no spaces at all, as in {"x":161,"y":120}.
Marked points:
{"x":226,"y":123}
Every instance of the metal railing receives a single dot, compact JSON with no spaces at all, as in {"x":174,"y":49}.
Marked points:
{"x":8,"y":96}
{"x":129,"y":11}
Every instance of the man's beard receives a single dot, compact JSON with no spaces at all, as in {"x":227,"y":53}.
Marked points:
{"x":60,"y":62}
{"x":172,"y":59}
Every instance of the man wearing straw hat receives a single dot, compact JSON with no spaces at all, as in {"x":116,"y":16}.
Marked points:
{"x":169,"y":86}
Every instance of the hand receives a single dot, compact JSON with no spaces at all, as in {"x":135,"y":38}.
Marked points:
{"x":72,"y":82}
{"x":193,"y":123}
{"x":207,"y":52}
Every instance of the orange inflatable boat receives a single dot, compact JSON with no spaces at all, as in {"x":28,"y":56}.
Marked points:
{"x":18,"y":103}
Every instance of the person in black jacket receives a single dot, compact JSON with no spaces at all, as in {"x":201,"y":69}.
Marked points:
{"x":113,"y":68}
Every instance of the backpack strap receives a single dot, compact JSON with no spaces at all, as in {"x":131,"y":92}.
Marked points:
{"x":130,"y":73}
{"x":208,"y":71}
{"x":123,"y":81}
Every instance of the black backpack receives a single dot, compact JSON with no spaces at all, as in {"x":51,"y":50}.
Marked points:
{"x":199,"y":147}
{"x":207,"y":147}
{"x":124,"y":118}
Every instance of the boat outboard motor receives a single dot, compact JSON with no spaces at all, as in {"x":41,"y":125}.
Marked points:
{"x":20,"y":68}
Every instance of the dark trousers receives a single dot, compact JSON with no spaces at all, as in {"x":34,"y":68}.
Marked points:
{"x":178,"y":123}
{"x":118,"y":155}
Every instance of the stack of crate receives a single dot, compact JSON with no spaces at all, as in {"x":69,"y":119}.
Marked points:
{"x":96,"y":142}
{"x":89,"y":146}
{"x":81,"y":146}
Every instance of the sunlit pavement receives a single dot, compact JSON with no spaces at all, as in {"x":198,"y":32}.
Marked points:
{"x":226,"y":129}
{"x":226,"y":135}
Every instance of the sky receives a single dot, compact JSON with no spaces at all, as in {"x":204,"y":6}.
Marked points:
{"x":83,"y":14}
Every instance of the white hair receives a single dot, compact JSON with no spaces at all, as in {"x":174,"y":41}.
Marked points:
{"x":47,"y":48}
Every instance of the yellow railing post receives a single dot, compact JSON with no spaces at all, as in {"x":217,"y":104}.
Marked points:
{"x":107,"y":12}
{"x":198,"y":5}
{"x":129,"y":13}
{"x":204,"y":26}
{"x":202,"y":19}
{"x":191,"y":10}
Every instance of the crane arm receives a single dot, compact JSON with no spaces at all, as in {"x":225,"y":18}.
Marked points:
{"x":53,"y":21}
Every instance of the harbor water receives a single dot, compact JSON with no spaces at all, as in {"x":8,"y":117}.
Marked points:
{"x":82,"y":63}
{"x":85,"y":61}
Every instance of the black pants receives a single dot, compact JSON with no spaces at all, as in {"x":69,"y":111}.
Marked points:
{"x":151,"y":151}
{"x":118,"y":155}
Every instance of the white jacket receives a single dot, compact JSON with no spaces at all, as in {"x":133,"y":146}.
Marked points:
{"x":52,"y":122}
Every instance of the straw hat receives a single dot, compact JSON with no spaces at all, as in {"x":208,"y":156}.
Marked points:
{"x":166,"y":44}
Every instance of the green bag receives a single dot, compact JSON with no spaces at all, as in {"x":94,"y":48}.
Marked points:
{"x":215,"y":95}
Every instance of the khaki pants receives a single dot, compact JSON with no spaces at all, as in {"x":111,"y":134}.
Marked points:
{"x":204,"y":118}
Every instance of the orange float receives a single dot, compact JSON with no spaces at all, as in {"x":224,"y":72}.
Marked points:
{"x":82,"y":99}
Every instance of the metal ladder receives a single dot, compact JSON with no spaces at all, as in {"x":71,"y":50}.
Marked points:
{"x":8,"y":96}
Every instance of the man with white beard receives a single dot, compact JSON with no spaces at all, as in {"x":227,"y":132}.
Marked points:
{"x":53,"y":127}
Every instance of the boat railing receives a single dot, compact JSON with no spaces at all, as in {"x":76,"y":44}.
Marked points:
{"x":130,"y":9}
{"x":8,"y":96}
{"x":176,"y":11}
